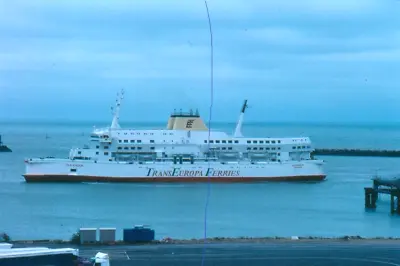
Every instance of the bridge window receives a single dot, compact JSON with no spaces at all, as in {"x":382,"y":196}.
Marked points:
{"x":261,"y":142}
{"x":119,"y":141}
{"x":217,"y":141}
{"x":255,"y":148}
{"x":279,"y":141}
{"x":139,"y":148}
{"x":223,"y":148}
{"x":273,"y":141}
{"x":126,"y":148}
{"x":267,"y":141}
{"x":236,"y":141}
{"x":248,"y":148}
{"x":151,"y":141}
{"x":105,"y":147}
{"x":294,"y":147}
{"x":254,"y":141}
{"x":224,"y":141}
{"x":97,"y":153}
{"x":152,"y":148}
{"x":125,"y":141}
{"x":119,"y":148}
{"x":139,"y":141}
{"x":249,"y":141}
{"x":97,"y":147}
{"x":229,"y":141}
{"x":106,"y":153}
{"x":132,"y":141}
{"x":205,"y":141}
{"x":229,"y":148}
{"x":211,"y":141}
{"x":261,"y":148}
{"x":79,"y":152}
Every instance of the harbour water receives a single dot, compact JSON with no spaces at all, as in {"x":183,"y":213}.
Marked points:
{"x":334,"y":207}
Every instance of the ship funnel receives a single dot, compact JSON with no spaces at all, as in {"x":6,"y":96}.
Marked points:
{"x":186,"y":121}
{"x":238,"y":130}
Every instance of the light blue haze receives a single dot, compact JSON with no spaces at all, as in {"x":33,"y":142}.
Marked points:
{"x":310,"y":60}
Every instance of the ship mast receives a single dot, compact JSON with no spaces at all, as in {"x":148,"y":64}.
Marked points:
{"x":238,"y":130}
{"x":115,"y":111}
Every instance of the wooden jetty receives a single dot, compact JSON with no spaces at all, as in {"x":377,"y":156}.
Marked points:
{"x":384,"y":186}
{"x":357,"y":152}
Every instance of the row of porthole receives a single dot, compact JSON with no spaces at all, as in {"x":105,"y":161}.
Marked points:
{"x":261,"y":148}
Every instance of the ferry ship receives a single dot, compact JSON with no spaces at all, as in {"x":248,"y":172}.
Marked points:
{"x":185,"y":151}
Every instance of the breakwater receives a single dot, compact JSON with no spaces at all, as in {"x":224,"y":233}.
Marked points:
{"x":4,"y":148}
{"x":168,"y":240}
{"x":357,"y":152}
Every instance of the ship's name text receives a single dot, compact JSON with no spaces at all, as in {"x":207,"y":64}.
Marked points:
{"x":193,"y":173}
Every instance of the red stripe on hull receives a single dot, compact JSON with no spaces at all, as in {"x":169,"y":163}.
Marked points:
{"x":84,"y":178}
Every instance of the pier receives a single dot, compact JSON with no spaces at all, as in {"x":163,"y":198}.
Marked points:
{"x":357,"y":152}
{"x":384,"y":186}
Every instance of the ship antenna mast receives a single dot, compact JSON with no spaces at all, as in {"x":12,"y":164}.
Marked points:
{"x":116,"y":110}
{"x":238,"y":130}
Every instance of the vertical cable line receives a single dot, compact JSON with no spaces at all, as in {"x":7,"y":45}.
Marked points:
{"x":209,"y":129}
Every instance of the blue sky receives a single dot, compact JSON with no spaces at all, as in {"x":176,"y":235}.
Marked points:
{"x":309,"y":60}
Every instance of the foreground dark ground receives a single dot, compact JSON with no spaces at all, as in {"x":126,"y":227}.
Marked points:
{"x":285,"y":252}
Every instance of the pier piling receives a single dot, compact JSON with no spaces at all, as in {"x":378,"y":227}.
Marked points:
{"x":394,"y":201}
{"x":371,"y":196}
{"x":381,"y":186}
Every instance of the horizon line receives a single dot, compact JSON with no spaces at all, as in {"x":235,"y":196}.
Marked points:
{"x":276,"y":122}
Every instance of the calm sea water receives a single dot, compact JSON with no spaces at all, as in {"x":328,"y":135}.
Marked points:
{"x":331,"y":208}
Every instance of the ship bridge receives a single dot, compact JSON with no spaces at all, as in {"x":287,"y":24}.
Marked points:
{"x":186,"y":121}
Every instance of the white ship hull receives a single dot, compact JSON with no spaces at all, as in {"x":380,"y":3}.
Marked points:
{"x":60,"y":170}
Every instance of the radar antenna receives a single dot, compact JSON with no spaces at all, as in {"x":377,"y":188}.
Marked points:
{"x":115,"y":110}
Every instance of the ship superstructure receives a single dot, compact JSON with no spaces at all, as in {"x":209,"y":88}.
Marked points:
{"x":185,"y":151}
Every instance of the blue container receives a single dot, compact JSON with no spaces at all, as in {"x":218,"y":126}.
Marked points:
{"x":138,"y":234}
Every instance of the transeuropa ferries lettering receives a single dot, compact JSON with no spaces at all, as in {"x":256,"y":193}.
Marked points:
{"x":194,"y":173}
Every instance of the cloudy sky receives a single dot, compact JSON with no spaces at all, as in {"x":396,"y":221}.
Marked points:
{"x":309,"y":60}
